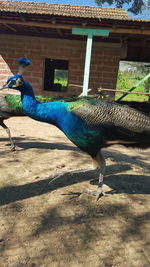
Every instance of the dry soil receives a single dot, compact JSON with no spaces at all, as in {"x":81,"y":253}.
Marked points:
{"x":42,"y":225}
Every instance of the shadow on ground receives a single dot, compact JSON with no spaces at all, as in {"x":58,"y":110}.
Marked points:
{"x":28,"y":143}
{"x":122,"y":183}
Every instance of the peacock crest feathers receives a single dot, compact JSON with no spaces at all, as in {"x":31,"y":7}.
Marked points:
{"x":24,"y":62}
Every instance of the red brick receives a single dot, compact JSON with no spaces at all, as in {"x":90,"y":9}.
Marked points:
{"x":104,"y":63}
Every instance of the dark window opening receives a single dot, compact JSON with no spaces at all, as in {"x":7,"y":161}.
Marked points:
{"x":56,"y":75}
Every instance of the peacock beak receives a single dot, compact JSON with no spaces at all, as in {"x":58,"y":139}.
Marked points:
{"x":6,"y":85}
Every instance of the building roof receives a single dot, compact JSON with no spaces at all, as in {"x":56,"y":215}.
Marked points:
{"x":63,"y":10}
{"x":57,"y":21}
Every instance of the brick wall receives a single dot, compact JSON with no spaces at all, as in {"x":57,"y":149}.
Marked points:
{"x":104,"y":63}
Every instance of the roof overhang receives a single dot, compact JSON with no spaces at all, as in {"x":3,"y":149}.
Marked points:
{"x":133,"y":33}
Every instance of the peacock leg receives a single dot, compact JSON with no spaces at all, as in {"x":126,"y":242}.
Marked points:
{"x":100,"y":191}
{"x":59,"y":179}
{"x":9,"y":135}
{"x":100,"y":164}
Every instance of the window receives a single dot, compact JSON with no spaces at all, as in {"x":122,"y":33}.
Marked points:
{"x":130,"y":74}
{"x":56,"y":75}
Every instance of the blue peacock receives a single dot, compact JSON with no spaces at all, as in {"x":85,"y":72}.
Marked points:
{"x":89,"y":124}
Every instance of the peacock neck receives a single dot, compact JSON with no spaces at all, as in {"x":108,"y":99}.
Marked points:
{"x":49,"y":112}
{"x":29,"y":102}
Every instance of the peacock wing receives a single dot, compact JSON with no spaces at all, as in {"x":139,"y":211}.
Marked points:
{"x":102,"y":112}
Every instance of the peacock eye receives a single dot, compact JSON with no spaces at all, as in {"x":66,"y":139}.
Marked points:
{"x":13,"y":82}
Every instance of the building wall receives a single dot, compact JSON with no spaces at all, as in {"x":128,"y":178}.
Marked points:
{"x":104,"y":62}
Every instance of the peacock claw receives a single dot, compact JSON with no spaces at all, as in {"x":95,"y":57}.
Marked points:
{"x":98,"y":193}
{"x":13,"y":148}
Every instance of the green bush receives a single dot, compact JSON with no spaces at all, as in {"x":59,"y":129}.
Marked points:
{"x":122,"y":81}
{"x":125,"y":82}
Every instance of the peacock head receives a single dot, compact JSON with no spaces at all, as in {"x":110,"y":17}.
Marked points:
{"x":17,"y":81}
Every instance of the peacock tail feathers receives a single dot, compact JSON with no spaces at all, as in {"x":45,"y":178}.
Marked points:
{"x":102,"y":112}
{"x":14,"y":102}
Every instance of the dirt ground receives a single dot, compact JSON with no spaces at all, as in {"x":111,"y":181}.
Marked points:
{"x":46,"y":225}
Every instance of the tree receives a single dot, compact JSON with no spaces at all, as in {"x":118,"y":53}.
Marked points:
{"x":135,"y":6}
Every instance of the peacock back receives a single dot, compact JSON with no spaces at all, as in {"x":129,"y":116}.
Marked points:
{"x":98,"y":112}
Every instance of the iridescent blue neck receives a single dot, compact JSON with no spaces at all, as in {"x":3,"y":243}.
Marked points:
{"x":50,"y":112}
{"x":28,"y":99}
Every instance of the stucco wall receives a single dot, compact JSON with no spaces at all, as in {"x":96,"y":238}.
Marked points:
{"x":104,"y":63}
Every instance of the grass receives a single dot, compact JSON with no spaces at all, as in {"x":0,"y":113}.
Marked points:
{"x":63,"y":82}
{"x":127,"y":81}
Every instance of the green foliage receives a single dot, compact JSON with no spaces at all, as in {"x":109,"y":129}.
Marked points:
{"x":147,"y":85}
{"x":126,"y":81}
{"x":122,"y":81}
{"x":144,"y":70}
{"x":61,"y":78}
{"x":63,"y":82}
{"x":135,"y":6}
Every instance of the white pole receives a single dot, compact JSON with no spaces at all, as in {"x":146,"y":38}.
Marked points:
{"x":87,"y":64}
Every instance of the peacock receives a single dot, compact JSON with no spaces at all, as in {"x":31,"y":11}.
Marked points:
{"x":10,"y":106}
{"x":90,"y":124}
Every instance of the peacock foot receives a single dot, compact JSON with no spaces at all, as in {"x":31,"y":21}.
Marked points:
{"x":98,"y":193}
{"x":13,"y":148}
